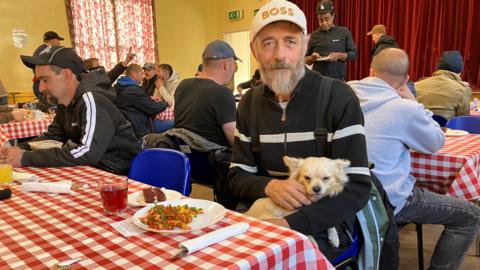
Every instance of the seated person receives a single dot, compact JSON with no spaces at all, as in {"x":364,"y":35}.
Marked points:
{"x":165,"y":87}
{"x":116,"y":71}
{"x":284,"y":127}
{"x":256,"y":80}
{"x":166,"y":84}
{"x":148,"y":82}
{"x":8,"y":114}
{"x":204,"y":105}
{"x":3,"y":94}
{"x":396,"y":123}
{"x":93,"y":130}
{"x":445,"y":93}
{"x":132,"y":101}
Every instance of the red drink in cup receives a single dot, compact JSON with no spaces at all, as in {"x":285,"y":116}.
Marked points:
{"x":114,"y":195}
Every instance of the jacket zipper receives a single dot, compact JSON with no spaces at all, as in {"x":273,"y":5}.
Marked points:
{"x":284,"y":120}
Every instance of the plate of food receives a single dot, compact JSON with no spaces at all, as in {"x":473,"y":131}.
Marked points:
{"x":153,"y":195}
{"x":178,"y":216}
{"x":455,"y":132}
{"x":45,"y":144}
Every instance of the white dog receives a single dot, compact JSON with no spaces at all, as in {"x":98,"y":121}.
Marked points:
{"x":321,"y":176}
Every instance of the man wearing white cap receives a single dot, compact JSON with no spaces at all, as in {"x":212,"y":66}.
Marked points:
{"x":299,"y":113}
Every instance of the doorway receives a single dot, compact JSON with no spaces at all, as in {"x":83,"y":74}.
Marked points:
{"x":240,"y":42}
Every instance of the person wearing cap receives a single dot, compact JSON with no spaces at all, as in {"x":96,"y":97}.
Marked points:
{"x":134,"y":103}
{"x":116,"y":71}
{"x":380,"y":39}
{"x":93,"y":131}
{"x":395,"y":125}
{"x":50,"y":38}
{"x":204,"y":105}
{"x":274,"y":114}
{"x":330,"y":46}
{"x":444,"y":93}
{"x":148,"y":83}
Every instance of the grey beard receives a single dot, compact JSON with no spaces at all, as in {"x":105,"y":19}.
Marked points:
{"x":276,"y":78}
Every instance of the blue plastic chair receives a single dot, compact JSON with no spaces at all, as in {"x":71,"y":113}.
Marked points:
{"x":467,"y":123}
{"x":442,"y":121}
{"x":351,"y":253}
{"x":162,"y":168}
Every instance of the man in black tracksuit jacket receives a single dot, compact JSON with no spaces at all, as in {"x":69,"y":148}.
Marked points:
{"x":284,"y":122}
{"x":93,"y":130}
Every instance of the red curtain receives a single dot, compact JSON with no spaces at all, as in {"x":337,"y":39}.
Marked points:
{"x":424,"y":28}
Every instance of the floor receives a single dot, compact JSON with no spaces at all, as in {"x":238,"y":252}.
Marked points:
{"x":408,"y":239}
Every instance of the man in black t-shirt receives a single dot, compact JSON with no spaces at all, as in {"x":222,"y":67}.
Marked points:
{"x":203,"y":105}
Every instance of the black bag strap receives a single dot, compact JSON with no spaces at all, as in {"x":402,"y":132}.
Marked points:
{"x":321,"y":131}
{"x":255,"y":112}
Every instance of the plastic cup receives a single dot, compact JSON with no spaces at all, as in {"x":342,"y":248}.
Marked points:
{"x":113,"y":191}
{"x":6,"y":171}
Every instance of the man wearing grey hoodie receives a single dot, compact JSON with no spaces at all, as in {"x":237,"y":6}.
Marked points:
{"x":395,"y":124}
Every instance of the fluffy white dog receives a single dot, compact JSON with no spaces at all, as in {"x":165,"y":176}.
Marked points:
{"x":321,"y":176}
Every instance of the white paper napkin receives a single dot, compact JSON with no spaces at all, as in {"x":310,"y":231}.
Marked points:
{"x":56,"y":187}
{"x":213,"y":237}
{"x":24,"y":177}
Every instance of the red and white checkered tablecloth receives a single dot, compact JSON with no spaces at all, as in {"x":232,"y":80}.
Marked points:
{"x":3,"y":136}
{"x":40,"y":229}
{"x":454,"y":170}
{"x":166,"y":115}
{"x":25,"y":129}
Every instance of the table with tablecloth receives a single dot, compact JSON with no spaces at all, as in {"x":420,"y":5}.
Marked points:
{"x":24,"y":129}
{"x":40,"y":229}
{"x":454,"y":170}
{"x":167,"y":114}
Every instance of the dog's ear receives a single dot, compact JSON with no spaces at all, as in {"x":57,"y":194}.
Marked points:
{"x":342,"y":164}
{"x":292,"y":163}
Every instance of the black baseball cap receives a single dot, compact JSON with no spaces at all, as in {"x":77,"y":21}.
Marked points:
{"x":58,"y":56}
{"x":51,"y":35}
{"x":218,"y":49}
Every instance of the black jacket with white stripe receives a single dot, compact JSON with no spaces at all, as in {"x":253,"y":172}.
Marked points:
{"x":294,"y":136}
{"x":93,"y":130}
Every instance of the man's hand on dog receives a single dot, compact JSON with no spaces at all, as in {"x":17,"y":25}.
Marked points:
{"x":290,"y":194}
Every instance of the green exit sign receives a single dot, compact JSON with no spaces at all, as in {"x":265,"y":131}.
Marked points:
{"x":235,"y":15}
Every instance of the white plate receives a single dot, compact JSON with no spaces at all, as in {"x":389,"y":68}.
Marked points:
{"x":46,"y":144}
{"x":212,"y":213}
{"x":456,"y":132}
{"x":136,"y":198}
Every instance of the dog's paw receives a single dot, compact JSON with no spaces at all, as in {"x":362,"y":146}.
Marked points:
{"x":334,"y":241}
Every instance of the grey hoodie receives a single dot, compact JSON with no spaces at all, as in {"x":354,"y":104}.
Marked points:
{"x":93,"y":131}
{"x":393,"y":127}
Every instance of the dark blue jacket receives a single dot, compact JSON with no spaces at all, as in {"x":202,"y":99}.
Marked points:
{"x":136,"y":105}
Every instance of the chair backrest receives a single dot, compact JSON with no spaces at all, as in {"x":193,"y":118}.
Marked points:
{"x":442,"y":121}
{"x":162,"y":168}
{"x":351,"y":253}
{"x":202,"y":169}
{"x":467,"y":123}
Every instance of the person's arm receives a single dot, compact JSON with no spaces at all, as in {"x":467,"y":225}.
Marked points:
{"x":423,"y":135}
{"x":96,"y":132}
{"x":350,"y":47}
{"x":245,"y":185}
{"x":464,"y":104}
{"x":229,"y":130}
{"x":347,"y":142}
{"x":116,"y":71}
{"x":311,"y":56}
{"x":144,"y":103}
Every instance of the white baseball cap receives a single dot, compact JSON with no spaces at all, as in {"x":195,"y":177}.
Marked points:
{"x":278,"y":10}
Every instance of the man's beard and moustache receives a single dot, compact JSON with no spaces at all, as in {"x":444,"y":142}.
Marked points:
{"x":282,"y":77}
{"x":51,"y":99}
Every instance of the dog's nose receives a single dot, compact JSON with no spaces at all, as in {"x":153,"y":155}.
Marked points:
{"x":316,"y":189}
